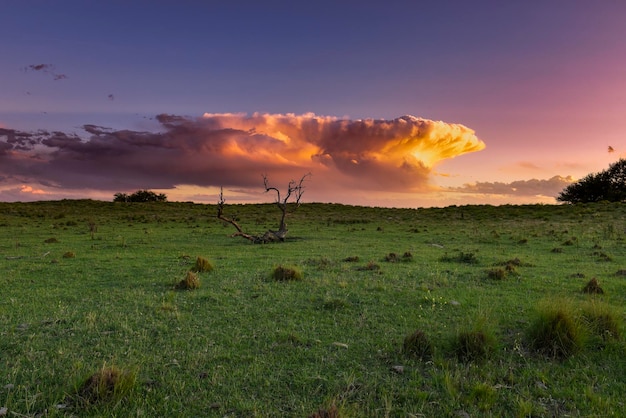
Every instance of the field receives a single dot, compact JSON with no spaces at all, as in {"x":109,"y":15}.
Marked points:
{"x":93,"y":322}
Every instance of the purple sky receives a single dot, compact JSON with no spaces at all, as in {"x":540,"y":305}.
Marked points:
{"x":320,"y":87}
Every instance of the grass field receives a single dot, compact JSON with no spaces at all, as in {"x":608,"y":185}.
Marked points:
{"x":92,"y":322}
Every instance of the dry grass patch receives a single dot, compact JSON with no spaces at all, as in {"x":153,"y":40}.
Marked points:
{"x":190,"y":282}
{"x":108,"y":384}
{"x":202,"y":265}
{"x":593,"y":287}
{"x":287,"y":274}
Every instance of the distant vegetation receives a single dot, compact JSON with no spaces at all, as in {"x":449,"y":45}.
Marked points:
{"x":140,"y":196}
{"x":608,"y":185}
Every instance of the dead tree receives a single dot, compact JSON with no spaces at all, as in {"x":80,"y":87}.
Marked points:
{"x":295,"y":190}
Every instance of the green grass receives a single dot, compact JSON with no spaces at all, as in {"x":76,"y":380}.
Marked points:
{"x":244,"y":344}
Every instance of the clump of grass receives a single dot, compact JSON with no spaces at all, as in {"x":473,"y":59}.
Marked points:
{"x":286,"y":274}
{"x":497,"y":274}
{"x":602,"y":256}
{"x":593,"y":287}
{"x":352,"y":259}
{"x":108,"y":384}
{"x":557,"y":250}
{"x":190,"y":282}
{"x":69,"y":254}
{"x":370,"y":266}
{"x":418,"y":345}
{"x":330,"y":412}
{"x":570,"y":241}
{"x":462,"y":257}
{"x":556,"y":331}
{"x":620,"y":272}
{"x":601,"y":320}
{"x":335,"y":304}
{"x":202,"y":265}
{"x":474,"y":345}
{"x":51,"y":240}
{"x":321,"y":263}
{"x":391,"y":258}
{"x":407,"y":256}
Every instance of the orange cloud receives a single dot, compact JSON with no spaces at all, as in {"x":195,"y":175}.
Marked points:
{"x":234,"y":150}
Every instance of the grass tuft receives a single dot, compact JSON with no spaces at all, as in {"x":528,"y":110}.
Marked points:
{"x":202,"y":265}
{"x":593,"y":287}
{"x":556,"y":331}
{"x":190,"y":282}
{"x":69,"y":254}
{"x":330,"y":412}
{"x":497,"y":274}
{"x":286,"y":274}
{"x":474,"y":345}
{"x":601,"y":320}
{"x":108,"y":384}
{"x":418,"y":345}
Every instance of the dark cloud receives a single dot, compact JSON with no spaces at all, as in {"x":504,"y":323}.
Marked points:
{"x":534,"y":187}
{"x":46,"y":69}
{"x":234,"y":150}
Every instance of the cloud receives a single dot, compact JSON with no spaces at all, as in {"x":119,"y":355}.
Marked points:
{"x":534,"y":187}
{"x":234,"y":150}
{"x":46,"y":69}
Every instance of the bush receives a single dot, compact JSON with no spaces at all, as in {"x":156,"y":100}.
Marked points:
{"x":284,"y":274}
{"x":140,"y":196}
{"x":608,"y":185}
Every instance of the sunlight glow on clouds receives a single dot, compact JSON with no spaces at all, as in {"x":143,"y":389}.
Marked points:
{"x":234,"y":150}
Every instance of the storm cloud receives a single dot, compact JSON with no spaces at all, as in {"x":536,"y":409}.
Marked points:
{"x":234,"y":150}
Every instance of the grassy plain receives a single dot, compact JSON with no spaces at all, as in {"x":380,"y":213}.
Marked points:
{"x":88,"y":285}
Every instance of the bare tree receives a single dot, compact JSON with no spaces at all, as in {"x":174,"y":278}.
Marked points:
{"x":295,"y":190}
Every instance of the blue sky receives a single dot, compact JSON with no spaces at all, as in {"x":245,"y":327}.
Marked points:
{"x":541,"y":83}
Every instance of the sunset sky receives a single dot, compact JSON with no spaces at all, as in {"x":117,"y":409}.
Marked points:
{"x":385,"y":103}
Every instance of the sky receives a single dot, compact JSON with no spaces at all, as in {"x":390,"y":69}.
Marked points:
{"x":385,"y":103}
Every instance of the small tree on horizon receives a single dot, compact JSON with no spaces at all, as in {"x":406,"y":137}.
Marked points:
{"x":609,"y":185}
{"x":140,"y":196}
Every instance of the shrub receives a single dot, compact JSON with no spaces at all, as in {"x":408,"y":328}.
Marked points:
{"x":285,"y":274}
{"x":417,"y":345}
{"x":474,"y":345}
{"x":593,"y":287}
{"x":190,"y":282}
{"x":556,"y":332}
{"x":107,"y":384}
{"x":202,"y":265}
